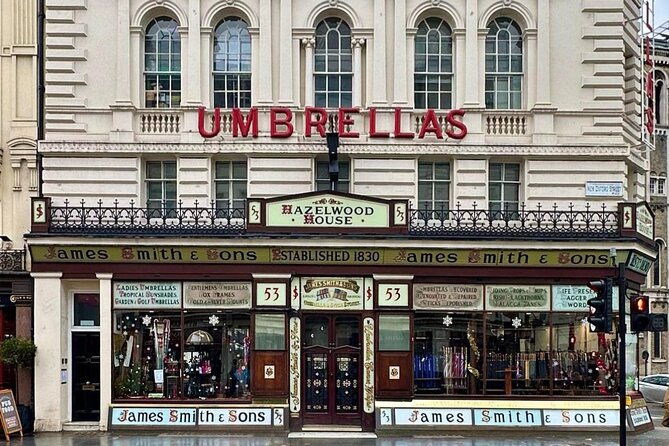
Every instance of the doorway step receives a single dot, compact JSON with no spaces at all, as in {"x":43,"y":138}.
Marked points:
{"x":81,"y":426}
{"x":331,"y":431}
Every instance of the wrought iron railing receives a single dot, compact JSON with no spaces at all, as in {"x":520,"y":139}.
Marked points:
{"x":131,"y":219}
{"x":12,"y":260}
{"x":520,"y":222}
{"x":517,"y":222}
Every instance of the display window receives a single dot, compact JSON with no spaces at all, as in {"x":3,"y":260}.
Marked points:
{"x":447,"y":353}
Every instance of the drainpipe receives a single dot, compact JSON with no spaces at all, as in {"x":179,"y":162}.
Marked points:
{"x":40,"y":90}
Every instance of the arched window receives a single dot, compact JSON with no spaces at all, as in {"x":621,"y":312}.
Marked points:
{"x":162,"y":64}
{"x":503,"y":64}
{"x":660,"y":104}
{"x":232,"y":64}
{"x":333,"y":64}
{"x":433,"y":65}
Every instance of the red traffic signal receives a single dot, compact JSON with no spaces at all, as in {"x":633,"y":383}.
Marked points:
{"x":639,"y":314}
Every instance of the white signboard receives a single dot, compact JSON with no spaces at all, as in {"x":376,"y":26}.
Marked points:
{"x":517,"y":297}
{"x":574,"y":418}
{"x":167,"y":416}
{"x":238,"y":417}
{"x":145,"y":295}
{"x":332,"y":293}
{"x":153,"y":416}
{"x":447,"y":297}
{"x":433,"y":417}
{"x":604,"y":189}
{"x":644,"y":221}
{"x":507,"y":417}
{"x":217,"y":295}
{"x":271,"y":294}
{"x":393,"y":295}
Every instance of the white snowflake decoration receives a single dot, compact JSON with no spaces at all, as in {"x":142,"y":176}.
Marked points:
{"x":146,"y":320}
{"x":213,"y":320}
{"x":448,"y":321}
{"x":585,"y":322}
{"x":516,"y":322}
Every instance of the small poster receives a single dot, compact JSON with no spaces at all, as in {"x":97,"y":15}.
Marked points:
{"x":147,"y":295}
{"x":436,"y":296}
{"x":217,"y":295}
{"x":517,"y":297}
{"x":332,"y":293}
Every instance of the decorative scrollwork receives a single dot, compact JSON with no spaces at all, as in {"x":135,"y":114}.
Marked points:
{"x":12,"y":260}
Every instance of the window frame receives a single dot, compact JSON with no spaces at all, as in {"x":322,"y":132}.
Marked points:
{"x":231,"y":181}
{"x":232,"y":98}
{"x":427,"y":74}
{"x":173,"y":74}
{"x":493,"y":78}
{"x":323,"y":184}
{"x":163,"y":180}
{"x":504,"y":209}
{"x":432,"y":184}
{"x":339,"y":53}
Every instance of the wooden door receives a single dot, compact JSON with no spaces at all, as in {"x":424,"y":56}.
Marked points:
{"x":331,"y":369}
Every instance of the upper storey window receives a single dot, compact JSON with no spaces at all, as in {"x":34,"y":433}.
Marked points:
{"x":162,"y":64}
{"x":232,"y":64}
{"x":660,"y":99}
{"x":503,"y":64}
{"x":433,"y":65}
{"x":333,"y":64}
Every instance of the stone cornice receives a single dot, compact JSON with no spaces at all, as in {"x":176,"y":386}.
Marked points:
{"x":270,"y":148}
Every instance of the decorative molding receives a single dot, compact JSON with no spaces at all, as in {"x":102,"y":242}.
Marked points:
{"x":47,"y":147}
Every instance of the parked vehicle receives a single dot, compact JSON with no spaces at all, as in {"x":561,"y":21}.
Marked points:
{"x":653,"y":387}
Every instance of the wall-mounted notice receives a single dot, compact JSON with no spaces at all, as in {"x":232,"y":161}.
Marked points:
{"x":217,"y":295}
{"x":147,"y":295}
{"x":517,"y":297}
{"x":434,"y":296}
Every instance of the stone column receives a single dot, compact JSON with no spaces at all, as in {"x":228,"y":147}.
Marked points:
{"x":50,"y":333}
{"x":400,"y":42}
{"x":206,"y":67}
{"x":460,"y":63}
{"x":286,"y":96}
{"x":193,"y":97}
{"x":185,"y":65}
{"x":357,"y":44}
{"x":379,"y":94}
{"x":530,"y":77}
{"x":543,"y":97}
{"x":123,"y":53}
{"x":255,"y":62}
{"x":264,"y":68}
{"x":136,"y":64}
{"x":106,"y":331}
{"x":309,"y":43}
{"x":472,"y":41}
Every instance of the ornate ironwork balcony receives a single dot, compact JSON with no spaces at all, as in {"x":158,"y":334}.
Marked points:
{"x":535,"y":223}
{"x":12,"y":260}
{"x":522,"y":222}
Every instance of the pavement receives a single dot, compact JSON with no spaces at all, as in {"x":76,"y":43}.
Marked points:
{"x":657,"y":437}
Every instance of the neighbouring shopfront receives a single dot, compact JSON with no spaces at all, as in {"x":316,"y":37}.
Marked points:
{"x":387,"y":334}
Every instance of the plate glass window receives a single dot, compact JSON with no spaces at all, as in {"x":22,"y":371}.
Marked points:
{"x":503,"y":64}
{"x":433,"y":65}
{"x":333,"y":64}
{"x":434,"y":180}
{"x":231,"y":177}
{"x":503,"y":190}
{"x":162,"y":64}
{"x":394,"y":333}
{"x":232,"y":64}
{"x":161,"y":188}
{"x":86,"y":310}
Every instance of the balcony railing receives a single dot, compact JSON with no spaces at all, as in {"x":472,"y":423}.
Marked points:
{"x":538,"y":222}
{"x":12,"y":260}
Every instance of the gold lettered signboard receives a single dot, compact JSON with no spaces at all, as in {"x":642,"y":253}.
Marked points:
{"x":517,"y":297}
{"x":332,"y":293}
{"x":217,"y":295}
{"x":9,"y":415}
{"x":435,"y":296}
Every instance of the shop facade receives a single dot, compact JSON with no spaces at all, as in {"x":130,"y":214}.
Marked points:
{"x":377,"y":331}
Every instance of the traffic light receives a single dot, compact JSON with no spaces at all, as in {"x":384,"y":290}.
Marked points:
{"x":601,"y":306}
{"x":639,"y":314}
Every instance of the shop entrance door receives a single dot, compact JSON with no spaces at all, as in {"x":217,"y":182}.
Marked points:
{"x":85,"y":376}
{"x":331,"y":369}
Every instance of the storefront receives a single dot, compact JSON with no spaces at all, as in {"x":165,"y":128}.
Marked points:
{"x":375,"y":333}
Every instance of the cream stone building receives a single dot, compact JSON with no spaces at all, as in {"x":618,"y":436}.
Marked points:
{"x":187,"y":247}
{"x":18,"y":174}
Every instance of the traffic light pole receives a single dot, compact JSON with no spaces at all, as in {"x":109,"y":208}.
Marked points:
{"x":622,"y":334}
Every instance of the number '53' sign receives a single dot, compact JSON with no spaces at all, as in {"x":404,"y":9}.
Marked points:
{"x":271,"y":294}
{"x":393,"y":295}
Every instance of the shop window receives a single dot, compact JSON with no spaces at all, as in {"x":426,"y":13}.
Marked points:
{"x":433,"y":65}
{"x":434,"y":181}
{"x":447,"y":353}
{"x":162,"y":64}
{"x":216,"y":355}
{"x":503,"y":65}
{"x":147,"y":350}
{"x":394,"y":333}
{"x":230,"y":183}
{"x":86,"y":310}
{"x":232,"y":64}
{"x":517,"y":359}
{"x":333,"y":64}
{"x":270,"y":332}
{"x":323,"y":176}
{"x":504,"y":190}
{"x":161,"y":188}
{"x":583,"y":363}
